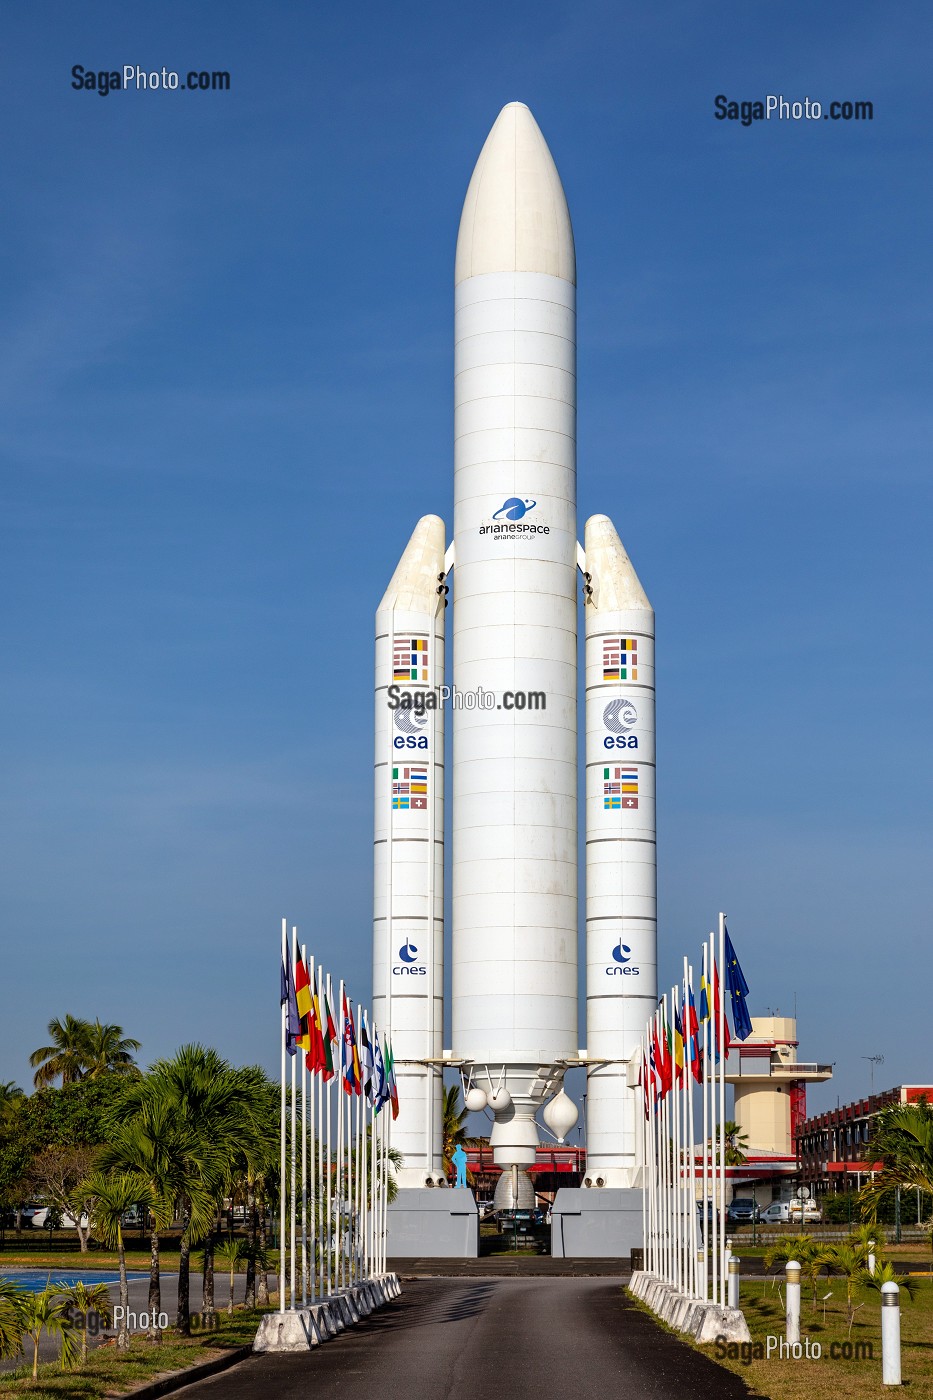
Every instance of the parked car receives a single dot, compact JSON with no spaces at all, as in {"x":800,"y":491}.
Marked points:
{"x":742,"y":1211}
{"x":40,"y":1215}
{"x":777,"y":1213}
{"x":811,"y":1211}
{"x":523,"y":1222}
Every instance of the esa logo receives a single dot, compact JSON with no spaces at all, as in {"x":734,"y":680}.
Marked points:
{"x":412,"y":725}
{"x":620,"y":717}
{"x":622,"y":957}
{"x":409,"y":956}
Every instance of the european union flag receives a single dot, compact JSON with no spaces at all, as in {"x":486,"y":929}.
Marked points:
{"x":737,"y":987}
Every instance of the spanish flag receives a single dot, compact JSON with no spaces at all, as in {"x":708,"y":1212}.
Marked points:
{"x":303,"y":998}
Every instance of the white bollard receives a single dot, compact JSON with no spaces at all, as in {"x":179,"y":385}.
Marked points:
{"x":871,"y":1256}
{"x":890,"y":1334}
{"x":733,"y":1281}
{"x":792,"y":1290}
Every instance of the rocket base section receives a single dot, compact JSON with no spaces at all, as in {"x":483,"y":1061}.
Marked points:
{"x":604,"y":1224}
{"x":438,"y":1223}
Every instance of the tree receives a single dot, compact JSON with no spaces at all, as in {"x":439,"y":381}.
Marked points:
{"x":81,"y":1115}
{"x":113,"y":1194}
{"x":11,"y":1096}
{"x":82,"y":1050}
{"x":57,"y":1177}
{"x":84,"y":1299}
{"x":848,"y":1260}
{"x":189,"y":1125}
{"x":453,"y":1127}
{"x":109,"y":1052}
{"x":902,"y":1139}
{"x":49,"y":1312}
{"x":736,"y":1145}
{"x":232,"y":1253}
{"x":12,"y":1319}
{"x":218,"y":1109}
{"x":65,"y":1058}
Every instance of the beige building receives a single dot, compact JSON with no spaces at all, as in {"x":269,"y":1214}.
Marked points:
{"x":770,"y":1086}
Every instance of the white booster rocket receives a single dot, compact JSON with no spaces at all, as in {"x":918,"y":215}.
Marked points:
{"x":516,"y":561}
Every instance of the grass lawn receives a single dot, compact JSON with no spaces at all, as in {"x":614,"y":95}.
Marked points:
{"x":108,"y":1371}
{"x":829,"y":1378}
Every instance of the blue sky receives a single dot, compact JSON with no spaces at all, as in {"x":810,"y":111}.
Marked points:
{"x":226,"y":397}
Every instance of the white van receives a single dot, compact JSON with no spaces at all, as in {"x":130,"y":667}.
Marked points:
{"x":777,"y":1213}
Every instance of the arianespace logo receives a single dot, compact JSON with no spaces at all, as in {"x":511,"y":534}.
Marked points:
{"x":409,"y":956}
{"x":412,"y":724}
{"x":514,"y":509}
{"x":508,"y":522}
{"x":620,"y":717}
{"x":624,"y":965}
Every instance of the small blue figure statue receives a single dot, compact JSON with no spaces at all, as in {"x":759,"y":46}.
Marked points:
{"x":459,"y":1159}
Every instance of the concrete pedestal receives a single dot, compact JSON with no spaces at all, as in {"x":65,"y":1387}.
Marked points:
{"x":438,"y":1223}
{"x":595,"y":1223}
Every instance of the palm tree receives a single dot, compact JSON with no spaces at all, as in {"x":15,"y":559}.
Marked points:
{"x":884,"y":1273}
{"x":220,"y":1110}
{"x":901,"y":1138}
{"x":232,"y":1253}
{"x":109,"y":1052}
{"x":49,"y":1312}
{"x":82,"y":1050}
{"x":86,"y":1299}
{"x":114,"y":1194}
{"x":848,"y":1260}
{"x":453,"y":1127}
{"x":808,"y":1254}
{"x":10,"y":1094}
{"x":12,"y":1319}
{"x":66,"y":1057}
{"x":147,"y":1146}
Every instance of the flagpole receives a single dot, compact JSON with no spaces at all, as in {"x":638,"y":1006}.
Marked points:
{"x":650,"y":1255}
{"x":666,"y":1152}
{"x":293,"y":1278}
{"x":304,"y":1157}
{"x":282,"y":1193}
{"x":644,"y":1148}
{"x":722,"y":1101}
{"x":691,"y":1157}
{"x":318,"y":1169}
{"x":330,"y":1161}
{"x":704,"y":1083}
{"x":360,"y":1176}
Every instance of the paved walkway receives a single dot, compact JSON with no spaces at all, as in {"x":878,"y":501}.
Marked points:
{"x":489,"y":1339}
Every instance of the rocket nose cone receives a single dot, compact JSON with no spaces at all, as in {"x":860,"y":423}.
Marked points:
{"x":515,"y":216}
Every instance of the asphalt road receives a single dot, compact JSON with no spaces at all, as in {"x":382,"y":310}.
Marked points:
{"x":491,"y":1339}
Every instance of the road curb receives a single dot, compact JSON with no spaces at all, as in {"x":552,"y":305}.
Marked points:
{"x":165,"y":1385}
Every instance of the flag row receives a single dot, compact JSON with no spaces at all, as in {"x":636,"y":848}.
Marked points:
{"x":674,"y":1046}
{"x":364,"y":1063}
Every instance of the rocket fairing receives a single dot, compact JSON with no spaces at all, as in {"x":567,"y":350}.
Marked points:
{"x":515,"y":607}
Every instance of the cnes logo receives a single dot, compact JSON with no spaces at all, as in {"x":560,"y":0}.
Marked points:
{"x":408,"y":954}
{"x":622,"y":957}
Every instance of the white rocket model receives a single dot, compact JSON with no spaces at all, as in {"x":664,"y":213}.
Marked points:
{"x":515,"y":760}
